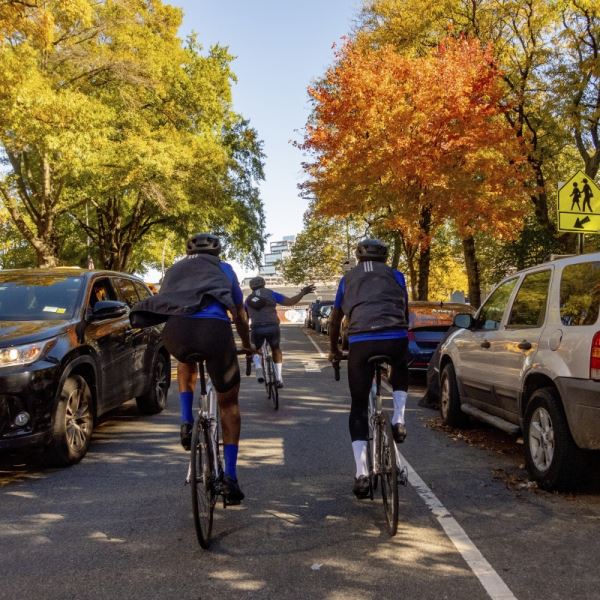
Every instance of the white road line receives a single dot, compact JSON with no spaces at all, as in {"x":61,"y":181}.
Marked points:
{"x":321,"y":354}
{"x":490,"y":580}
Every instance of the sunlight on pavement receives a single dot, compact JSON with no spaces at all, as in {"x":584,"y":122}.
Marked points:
{"x":258,"y":452}
{"x":238,"y":580}
{"x":103,"y":537}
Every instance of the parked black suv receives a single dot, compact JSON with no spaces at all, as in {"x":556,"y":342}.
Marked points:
{"x":68,"y":354}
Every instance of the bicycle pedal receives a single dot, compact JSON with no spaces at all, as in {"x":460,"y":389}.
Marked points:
{"x":403,"y":476}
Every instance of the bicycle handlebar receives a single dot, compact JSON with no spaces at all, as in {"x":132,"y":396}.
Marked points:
{"x":336,"y":366}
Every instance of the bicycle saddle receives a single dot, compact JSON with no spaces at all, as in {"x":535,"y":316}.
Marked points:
{"x":379,"y":359}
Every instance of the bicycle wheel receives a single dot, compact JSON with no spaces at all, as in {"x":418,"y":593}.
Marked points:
{"x":389,"y":474}
{"x":203,"y":498}
{"x":274,"y":388}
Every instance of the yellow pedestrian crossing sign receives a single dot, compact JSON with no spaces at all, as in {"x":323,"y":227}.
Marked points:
{"x":579,"y":205}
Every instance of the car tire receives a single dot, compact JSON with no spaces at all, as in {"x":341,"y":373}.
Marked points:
{"x":551,"y":456}
{"x":155,"y":399}
{"x":450,"y":410}
{"x":72,"y":423}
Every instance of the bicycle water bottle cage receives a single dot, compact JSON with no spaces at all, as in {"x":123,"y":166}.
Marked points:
{"x":378,"y":360}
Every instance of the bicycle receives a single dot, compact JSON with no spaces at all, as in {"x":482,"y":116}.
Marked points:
{"x":383,"y":457}
{"x":205,"y":470}
{"x":268,"y":367}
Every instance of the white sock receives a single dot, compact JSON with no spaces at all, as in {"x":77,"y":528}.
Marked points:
{"x":257,"y":361}
{"x":359,"y":447}
{"x":399,"y":406}
{"x":279,"y":371}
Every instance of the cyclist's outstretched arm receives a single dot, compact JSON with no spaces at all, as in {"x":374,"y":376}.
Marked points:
{"x":335,"y":322}
{"x":309,"y":289}
{"x":241,"y":325}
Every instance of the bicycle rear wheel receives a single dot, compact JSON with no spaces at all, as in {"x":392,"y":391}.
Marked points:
{"x":389,"y":475}
{"x":274,"y":388}
{"x":203,"y":496}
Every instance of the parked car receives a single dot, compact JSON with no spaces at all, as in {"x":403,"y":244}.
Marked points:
{"x":68,"y":354}
{"x":323,"y":320}
{"x":312,"y":313}
{"x":428,"y":323}
{"x":529,"y":362}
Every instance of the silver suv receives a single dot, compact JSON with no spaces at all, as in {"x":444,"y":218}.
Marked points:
{"x":529,"y":362}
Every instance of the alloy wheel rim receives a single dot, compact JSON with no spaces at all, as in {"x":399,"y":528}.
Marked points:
{"x":445,"y":396}
{"x":541,"y":439}
{"x":160,"y":382}
{"x":77,"y":420}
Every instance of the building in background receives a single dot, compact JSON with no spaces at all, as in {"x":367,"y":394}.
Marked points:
{"x":278,"y":250}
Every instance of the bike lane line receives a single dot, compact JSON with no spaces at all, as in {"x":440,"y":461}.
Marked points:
{"x":493,"y":584}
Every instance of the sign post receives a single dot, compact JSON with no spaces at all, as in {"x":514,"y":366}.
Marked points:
{"x":579,"y":206}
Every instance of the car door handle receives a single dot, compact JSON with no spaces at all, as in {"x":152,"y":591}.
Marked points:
{"x":485,"y":344}
{"x":524,"y":345}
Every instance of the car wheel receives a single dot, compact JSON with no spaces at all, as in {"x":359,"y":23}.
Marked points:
{"x":155,"y":399}
{"x":72,"y":423}
{"x":450,"y":399}
{"x":551,"y":456}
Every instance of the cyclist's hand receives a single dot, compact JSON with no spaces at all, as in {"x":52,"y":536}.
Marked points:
{"x":335,"y":356}
{"x":248,"y":350}
{"x":309,"y":289}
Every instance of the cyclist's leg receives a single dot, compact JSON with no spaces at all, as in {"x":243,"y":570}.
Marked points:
{"x":398,"y":378}
{"x":224,"y":371}
{"x":274,"y":340}
{"x":360,"y":376}
{"x":187,"y":373}
{"x":258,"y":339}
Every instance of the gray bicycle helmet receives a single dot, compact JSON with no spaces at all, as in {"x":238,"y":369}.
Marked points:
{"x":371,"y":249}
{"x":257,"y":282}
{"x":204,"y":243}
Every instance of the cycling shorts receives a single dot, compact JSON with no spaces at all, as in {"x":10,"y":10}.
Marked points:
{"x":270,"y":333}
{"x":190,"y":340}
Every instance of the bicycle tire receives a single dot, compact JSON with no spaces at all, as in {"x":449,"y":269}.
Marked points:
{"x":201,"y":480}
{"x":389,"y":474}
{"x":372,"y":478}
{"x":274,"y":388}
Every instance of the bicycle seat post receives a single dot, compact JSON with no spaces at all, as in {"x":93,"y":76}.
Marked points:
{"x":203,"y":392}
{"x":378,"y":386}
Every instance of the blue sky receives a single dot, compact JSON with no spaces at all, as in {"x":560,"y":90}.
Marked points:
{"x":280,"y":47}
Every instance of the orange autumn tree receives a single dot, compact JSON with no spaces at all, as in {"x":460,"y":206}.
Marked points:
{"x":415,"y":142}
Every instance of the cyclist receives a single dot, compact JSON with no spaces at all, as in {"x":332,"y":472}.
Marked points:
{"x":195,"y":299}
{"x":261,"y":306}
{"x":374,"y":299}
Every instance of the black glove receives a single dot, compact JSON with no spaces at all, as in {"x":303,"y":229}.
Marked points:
{"x":309,"y":289}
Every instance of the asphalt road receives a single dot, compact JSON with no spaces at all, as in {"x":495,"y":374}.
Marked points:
{"x":119,"y":524}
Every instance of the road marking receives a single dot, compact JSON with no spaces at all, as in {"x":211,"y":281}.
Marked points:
{"x":310,"y":366}
{"x":321,"y":353}
{"x":490,"y":580}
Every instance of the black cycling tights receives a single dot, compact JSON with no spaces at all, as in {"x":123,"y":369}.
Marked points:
{"x":360,"y":377}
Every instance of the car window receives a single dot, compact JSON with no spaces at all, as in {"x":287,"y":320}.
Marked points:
{"x":126,"y":291}
{"x":38,"y":297}
{"x":491,"y":312}
{"x":580,"y":294}
{"x":142,"y":291}
{"x":101,"y":290}
{"x":529,"y":307}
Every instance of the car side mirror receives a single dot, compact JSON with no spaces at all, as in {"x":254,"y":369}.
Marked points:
{"x":108,"y":309}
{"x":464,"y":320}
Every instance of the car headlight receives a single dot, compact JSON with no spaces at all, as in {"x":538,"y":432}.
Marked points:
{"x":14,"y":356}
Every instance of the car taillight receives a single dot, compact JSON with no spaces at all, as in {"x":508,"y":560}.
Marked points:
{"x":411,"y":336}
{"x":595,"y":357}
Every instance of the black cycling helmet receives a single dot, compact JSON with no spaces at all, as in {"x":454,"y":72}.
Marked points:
{"x":204,"y":243}
{"x":371,"y":249}
{"x":257,"y":282}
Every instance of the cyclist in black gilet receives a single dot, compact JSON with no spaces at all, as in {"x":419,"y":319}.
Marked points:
{"x":261,"y":305}
{"x":374,"y":299}
{"x":196,"y":299}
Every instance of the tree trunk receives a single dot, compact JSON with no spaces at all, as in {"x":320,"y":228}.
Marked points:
{"x":472,"y":271}
{"x":424,"y":254}
{"x":397,"y":251}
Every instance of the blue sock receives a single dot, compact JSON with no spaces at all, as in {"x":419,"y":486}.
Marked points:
{"x":231,"y":453}
{"x":185,"y":402}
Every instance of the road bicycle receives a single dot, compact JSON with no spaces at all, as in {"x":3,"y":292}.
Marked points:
{"x":205,"y":470}
{"x":268,"y":367}
{"x":383,"y":457}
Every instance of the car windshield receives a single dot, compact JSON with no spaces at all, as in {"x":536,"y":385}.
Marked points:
{"x":38,"y":297}
{"x":439,"y":315}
